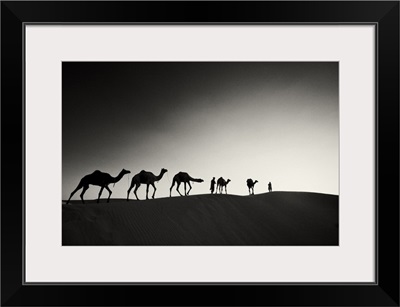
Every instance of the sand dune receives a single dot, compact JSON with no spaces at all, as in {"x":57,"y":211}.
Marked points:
{"x":277,"y":218}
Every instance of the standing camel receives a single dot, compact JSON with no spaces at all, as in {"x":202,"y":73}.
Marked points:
{"x":250,"y":185}
{"x":185,"y":178}
{"x":147,"y":178}
{"x":221,"y":183}
{"x":100,"y":179}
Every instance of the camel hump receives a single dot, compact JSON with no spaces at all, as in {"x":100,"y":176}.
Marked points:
{"x":142,"y":173}
{"x":249,"y":180}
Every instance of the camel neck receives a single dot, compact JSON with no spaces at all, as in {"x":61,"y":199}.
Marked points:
{"x":159,"y":176}
{"x":118,"y":178}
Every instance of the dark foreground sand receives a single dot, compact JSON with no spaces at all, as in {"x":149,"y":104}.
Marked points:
{"x":277,"y":218}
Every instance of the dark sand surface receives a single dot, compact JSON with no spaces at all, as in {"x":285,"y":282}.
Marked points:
{"x":277,"y":218}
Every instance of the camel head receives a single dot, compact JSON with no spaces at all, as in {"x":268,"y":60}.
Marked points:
{"x":164,"y":171}
{"x":124,"y":171}
{"x":255,"y":181}
{"x":228,"y":181}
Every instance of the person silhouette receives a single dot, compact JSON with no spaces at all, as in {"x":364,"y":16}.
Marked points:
{"x":212,"y":185}
{"x":269,"y":187}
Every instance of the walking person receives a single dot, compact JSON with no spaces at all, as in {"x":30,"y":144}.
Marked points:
{"x":212,"y":185}
{"x":269,"y":187}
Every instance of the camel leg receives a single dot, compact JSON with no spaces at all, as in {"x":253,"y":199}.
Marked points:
{"x":129,"y":191}
{"x":101,"y":191}
{"x":136,"y":188}
{"x":109,"y":191}
{"x":177,"y":188}
{"x":147,"y":191}
{"x":73,"y":192}
{"x":190,"y":187}
{"x":154,"y":187}
{"x":170,"y":189}
{"x":83,"y":192}
{"x":185,"y":188}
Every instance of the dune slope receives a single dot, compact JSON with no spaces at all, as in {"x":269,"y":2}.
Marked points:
{"x":278,"y":218}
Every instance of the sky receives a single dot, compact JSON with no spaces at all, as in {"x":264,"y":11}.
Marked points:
{"x":273,"y":122}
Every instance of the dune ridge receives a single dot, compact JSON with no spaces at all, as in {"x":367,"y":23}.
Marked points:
{"x":277,"y":218}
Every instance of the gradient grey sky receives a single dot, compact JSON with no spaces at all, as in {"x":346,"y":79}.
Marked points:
{"x":268,"y":121}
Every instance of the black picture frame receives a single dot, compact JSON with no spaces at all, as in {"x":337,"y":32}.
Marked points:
{"x":383,"y":14}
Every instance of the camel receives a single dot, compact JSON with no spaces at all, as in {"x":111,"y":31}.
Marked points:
{"x":100,"y":179}
{"x":185,"y":178}
{"x":147,"y":178}
{"x":250,"y":185}
{"x":221,"y":183}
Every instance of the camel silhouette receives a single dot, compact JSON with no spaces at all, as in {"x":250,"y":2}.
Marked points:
{"x":185,"y":178}
{"x":250,"y":185}
{"x":221,"y":183}
{"x":100,"y":179}
{"x":147,"y":178}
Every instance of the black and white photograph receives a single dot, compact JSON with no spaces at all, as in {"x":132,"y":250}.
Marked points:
{"x":244,"y":151}
{"x":200,"y":153}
